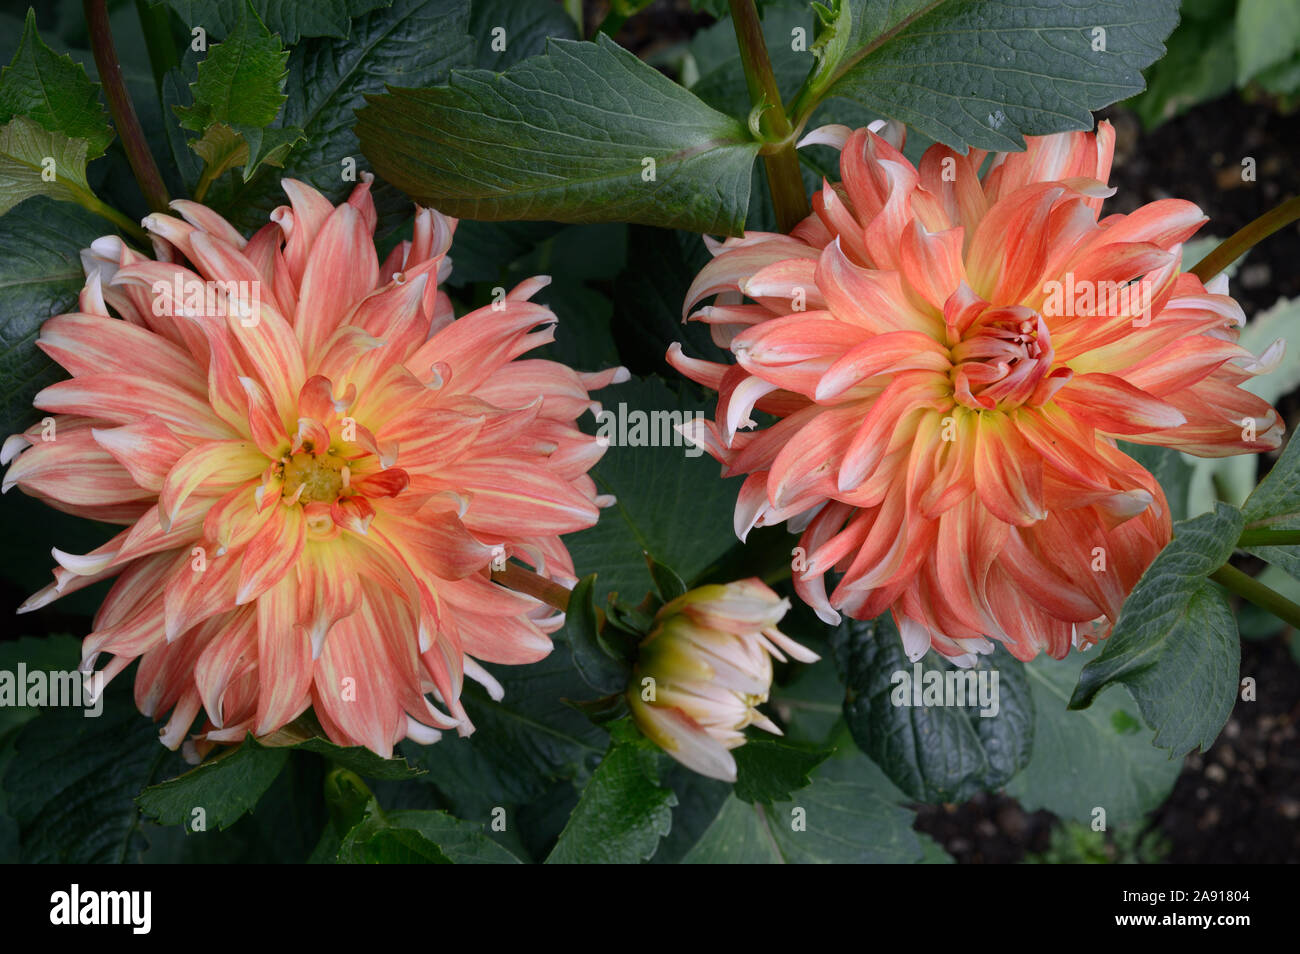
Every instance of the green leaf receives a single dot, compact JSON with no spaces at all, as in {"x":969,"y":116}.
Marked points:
{"x":35,"y":161}
{"x":241,"y":81}
{"x":771,"y":771}
{"x":54,"y":92}
{"x":567,"y":136}
{"x":71,"y":786}
{"x":1267,"y":34}
{"x":398,"y":846}
{"x":415,"y":836}
{"x":221,"y":149}
{"x":1175,"y":643}
{"x":460,"y":841}
{"x":413,"y":42}
{"x":222,"y":789}
{"x":1275,"y":503}
{"x":361,"y":760}
{"x":699,"y":799}
{"x":1090,"y":758}
{"x":667,"y":583}
{"x":623,"y":811}
{"x":188,"y":166}
{"x":670,"y":504}
{"x":40,"y":276}
{"x":740,"y":834}
{"x":46,"y":654}
{"x":1282,"y":79}
{"x":599,"y":668}
{"x":284,"y":827}
{"x":292,"y":19}
{"x":521,"y":745}
{"x":931,"y":747}
{"x":986,"y":73}
{"x":232,"y":783}
{"x":854,"y":819}
{"x":526,"y":24}
{"x":1201,"y":65}
{"x":270,"y":145}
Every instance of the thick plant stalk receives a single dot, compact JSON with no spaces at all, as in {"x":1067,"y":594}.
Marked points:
{"x":123,"y":111}
{"x":1266,"y":598}
{"x":1269,"y":538}
{"x":1233,"y":247}
{"x":781,"y":164}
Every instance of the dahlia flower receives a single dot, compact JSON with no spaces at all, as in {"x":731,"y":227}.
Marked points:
{"x":950,"y":357}
{"x":316,"y":465}
{"x":703,"y":669}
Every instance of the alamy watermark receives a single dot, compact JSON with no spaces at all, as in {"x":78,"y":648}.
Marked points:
{"x":946,"y":687}
{"x":638,"y":428}
{"x":56,"y":688}
{"x":213,"y":299}
{"x":1100,"y":299}
{"x":75,"y":906}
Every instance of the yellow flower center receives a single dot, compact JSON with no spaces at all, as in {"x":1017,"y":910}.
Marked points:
{"x":319,"y":475}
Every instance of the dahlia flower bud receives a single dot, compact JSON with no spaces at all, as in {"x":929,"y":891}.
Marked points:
{"x":952,"y":350}
{"x":316,"y":464}
{"x":705,"y":667}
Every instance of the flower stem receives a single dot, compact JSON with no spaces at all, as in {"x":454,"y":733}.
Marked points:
{"x":781,"y":164}
{"x":1264,"y":597}
{"x":533,"y":584}
{"x":101,"y":208}
{"x":1232,"y":248}
{"x":120,"y":106}
{"x":209,"y":176}
{"x":1269,"y":538}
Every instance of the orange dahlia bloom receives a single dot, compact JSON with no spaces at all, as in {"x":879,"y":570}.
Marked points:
{"x":316,"y":464}
{"x":950,"y":357}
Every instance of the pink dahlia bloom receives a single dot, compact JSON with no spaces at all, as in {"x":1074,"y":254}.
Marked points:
{"x":316,"y":464}
{"x":950,"y":357}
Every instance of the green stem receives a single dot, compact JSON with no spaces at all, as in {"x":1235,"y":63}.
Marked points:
{"x":1266,"y":598}
{"x":781,"y":164}
{"x":101,"y":208}
{"x":209,"y":176}
{"x":155,"y":24}
{"x":1269,"y":538}
{"x":121,"y":108}
{"x":1231,"y":249}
